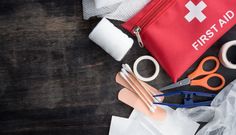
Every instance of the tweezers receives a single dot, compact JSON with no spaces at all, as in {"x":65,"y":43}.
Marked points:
{"x":188,"y":99}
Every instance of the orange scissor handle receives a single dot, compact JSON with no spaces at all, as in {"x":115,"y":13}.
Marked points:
{"x":204,"y":82}
{"x":200,"y":69}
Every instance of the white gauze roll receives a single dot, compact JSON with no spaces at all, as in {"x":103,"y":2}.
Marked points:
{"x":111,"y":39}
{"x":223,"y":55}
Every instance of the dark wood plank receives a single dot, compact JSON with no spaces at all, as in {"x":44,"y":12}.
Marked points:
{"x":53,"y":79}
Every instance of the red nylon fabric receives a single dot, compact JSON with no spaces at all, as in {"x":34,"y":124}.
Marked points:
{"x":175,"y":42}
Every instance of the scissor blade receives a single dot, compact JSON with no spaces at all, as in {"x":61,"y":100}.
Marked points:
{"x":176,"y":85}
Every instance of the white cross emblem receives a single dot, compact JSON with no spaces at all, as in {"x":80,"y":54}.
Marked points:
{"x":195,"y":11}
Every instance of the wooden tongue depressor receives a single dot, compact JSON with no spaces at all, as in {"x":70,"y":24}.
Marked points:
{"x":128,"y":97}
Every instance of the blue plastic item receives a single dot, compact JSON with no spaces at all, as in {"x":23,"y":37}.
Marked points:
{"x":188,"y":99}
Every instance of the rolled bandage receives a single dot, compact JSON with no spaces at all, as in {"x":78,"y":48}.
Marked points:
{"x":111,"y":39}
{"x":135,"y":68}
{"x":225,"y":55}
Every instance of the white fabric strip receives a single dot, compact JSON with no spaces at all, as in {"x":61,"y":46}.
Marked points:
{"x":90,"y":10}
{"x":106,"y":3}
{"x":127,"y":9}
{"x":120,"y":10}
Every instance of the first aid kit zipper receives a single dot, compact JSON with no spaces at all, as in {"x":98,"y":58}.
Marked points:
{"x":157,"y":9}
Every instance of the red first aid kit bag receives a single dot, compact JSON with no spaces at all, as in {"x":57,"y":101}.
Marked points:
{"x":178,"y":32}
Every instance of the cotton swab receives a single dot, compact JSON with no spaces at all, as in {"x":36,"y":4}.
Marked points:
{"x":134,"y":81}
{"x":127,"y":68}
{"x":137,"y":92}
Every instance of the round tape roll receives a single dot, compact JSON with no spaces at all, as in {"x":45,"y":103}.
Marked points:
{"x":223,"y":55}
{"x":135,"y":68}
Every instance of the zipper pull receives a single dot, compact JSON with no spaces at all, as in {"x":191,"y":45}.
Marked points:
{"x":137,"y":31}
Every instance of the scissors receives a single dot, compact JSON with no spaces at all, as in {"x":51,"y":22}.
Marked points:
{"x":203,"y":82}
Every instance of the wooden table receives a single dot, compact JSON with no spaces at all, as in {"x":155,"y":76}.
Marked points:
{"x":54,"y":80}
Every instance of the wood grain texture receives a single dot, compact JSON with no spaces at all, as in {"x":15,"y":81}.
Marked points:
{"x":53,"y":79}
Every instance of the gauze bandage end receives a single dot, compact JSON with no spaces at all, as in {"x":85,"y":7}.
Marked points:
{"x":113,"y":9}
{"x":105,"y":3}
{"x":111,"y":39}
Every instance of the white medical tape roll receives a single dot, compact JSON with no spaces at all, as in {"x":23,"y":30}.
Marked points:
{"x":135,"y":68}
{"x":111,"y":39}
{"x":223,"y":55}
